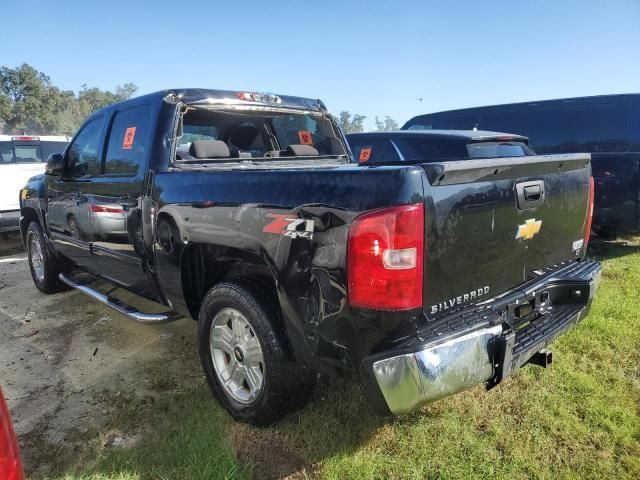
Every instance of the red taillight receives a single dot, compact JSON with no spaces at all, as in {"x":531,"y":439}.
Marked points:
{"x":103,"y":209}
{"x":587,"y":227}
{"x":10,"y":467}
{"x":385,"y":259}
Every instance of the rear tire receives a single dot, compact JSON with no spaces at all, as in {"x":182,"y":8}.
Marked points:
{"x":245,"y":357}
{"x":43,"y":265}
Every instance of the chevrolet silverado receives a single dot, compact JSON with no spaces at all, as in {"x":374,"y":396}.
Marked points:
{"x":418,"y":278}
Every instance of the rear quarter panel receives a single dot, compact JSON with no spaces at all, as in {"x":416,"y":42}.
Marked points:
{"x":239,"y":210}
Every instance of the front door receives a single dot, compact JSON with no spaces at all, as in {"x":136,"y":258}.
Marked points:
{"x":69,"y":196}
{"x":116,"y":201}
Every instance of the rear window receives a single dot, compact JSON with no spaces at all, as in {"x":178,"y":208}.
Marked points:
{"x":498,"y":149}
{"x":430,"y":149}
{"x":13,"y":152}
{"x":16,"y":153}
{"x":259,"y":134}
{"x":27,"y":153}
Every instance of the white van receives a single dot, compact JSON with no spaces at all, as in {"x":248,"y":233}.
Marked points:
{"x":22,"y":157}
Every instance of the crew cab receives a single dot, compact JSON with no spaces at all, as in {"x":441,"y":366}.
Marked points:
{"x":22,"y":157}
{"x":246,"y":212}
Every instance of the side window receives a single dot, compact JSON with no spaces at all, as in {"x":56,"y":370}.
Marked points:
{"x":127,"y":147}
{"x":82,"y":157}
{"x":6,"y":152}
{"x":367,"y":149}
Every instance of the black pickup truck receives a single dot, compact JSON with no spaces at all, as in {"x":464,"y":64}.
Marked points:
{"x":246,"y":212}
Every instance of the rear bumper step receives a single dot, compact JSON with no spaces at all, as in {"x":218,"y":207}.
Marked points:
{"x":118,"y":305}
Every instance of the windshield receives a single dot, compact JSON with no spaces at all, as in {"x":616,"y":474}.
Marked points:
{"x":258,"y":134}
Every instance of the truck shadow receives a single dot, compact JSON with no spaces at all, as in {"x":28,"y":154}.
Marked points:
{"x":337,"y":420}
{"x":609,"y":248}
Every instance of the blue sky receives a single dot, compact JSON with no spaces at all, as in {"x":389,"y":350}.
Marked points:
{"x":372,"y":58}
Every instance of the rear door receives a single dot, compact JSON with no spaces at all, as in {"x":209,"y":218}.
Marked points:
{"x":116,"y":201}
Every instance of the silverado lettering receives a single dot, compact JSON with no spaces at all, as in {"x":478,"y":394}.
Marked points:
{"x":459,"y":300}
{"x":189,"y":211}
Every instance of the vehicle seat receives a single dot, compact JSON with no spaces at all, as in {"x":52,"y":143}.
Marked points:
{"x":209,"y":149}
{"x":244,"y":137}
{"x":300,"y":151}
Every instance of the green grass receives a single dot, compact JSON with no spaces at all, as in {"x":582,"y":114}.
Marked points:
{"x":580,"y":418}
{"x":184,"y":439}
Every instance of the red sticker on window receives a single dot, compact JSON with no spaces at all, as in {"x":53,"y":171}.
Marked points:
{"x":305,"y":137}
{"x":365,"y":154}
{"x":129,"y":135}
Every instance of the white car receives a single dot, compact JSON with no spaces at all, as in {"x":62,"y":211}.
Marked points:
{"x":22,"y":157}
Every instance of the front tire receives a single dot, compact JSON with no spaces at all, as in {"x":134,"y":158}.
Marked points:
{"x":43,"y":265}
{"x":244,"y":355}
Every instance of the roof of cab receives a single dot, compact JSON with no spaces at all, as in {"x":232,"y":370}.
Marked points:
{"x":205,"y":97}
{"x":463,"y":135}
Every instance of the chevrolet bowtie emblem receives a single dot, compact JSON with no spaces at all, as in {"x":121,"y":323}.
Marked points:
{"x":527,"y":230}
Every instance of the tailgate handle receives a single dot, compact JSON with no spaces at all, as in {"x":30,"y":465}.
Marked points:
{"x":530,"y":194}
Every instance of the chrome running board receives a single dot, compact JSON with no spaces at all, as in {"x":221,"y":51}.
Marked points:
{"x":117,"y":305}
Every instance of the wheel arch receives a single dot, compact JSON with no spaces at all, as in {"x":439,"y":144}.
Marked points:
{"x":28,"y":215}
{"x":205,"y":265}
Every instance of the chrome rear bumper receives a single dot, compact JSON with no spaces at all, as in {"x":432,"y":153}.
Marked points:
{"x":487,"y":349}
{"x":407,"y":381}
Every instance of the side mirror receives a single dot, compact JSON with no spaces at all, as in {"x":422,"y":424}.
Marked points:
{"x":55,"y":164}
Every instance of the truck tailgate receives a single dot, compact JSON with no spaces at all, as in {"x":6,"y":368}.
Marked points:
{"x":491,"y":223}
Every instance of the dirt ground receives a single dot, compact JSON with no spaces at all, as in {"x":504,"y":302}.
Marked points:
{"x":63,"y":358}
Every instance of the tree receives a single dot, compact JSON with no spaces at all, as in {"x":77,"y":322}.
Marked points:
{"x":388,"y":124}
{"x":28,"y":99}
{"x":30,"y":103}
{"x":351,"y":125}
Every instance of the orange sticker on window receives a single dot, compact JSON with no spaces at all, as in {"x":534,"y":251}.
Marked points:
{"x":305,"y":137}
{"x":129,"y":135}
{"x":365,"y":154}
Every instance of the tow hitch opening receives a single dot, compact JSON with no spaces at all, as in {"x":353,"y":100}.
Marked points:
{"x":543,"y":358}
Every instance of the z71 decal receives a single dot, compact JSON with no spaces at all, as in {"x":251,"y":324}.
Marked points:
{"x":283,"y":224}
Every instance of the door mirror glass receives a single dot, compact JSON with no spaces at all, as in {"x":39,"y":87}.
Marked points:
{"x":55,"y":164}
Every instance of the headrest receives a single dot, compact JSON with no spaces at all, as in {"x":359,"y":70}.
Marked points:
{"x":243,"y":136}
{"x":209,"y":149}
{"x":301,"y":151}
